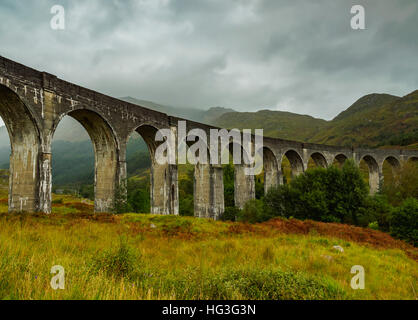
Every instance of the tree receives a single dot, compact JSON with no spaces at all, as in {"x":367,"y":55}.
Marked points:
{"x":404,"y":222}
{"x":404,"y":184}
{"x":329,"y":195}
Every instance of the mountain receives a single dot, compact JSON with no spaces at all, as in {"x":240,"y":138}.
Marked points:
{"x":198,"y":115}
{"x":70,"y":130}
{"x":276,"y":124}
{"x":376,"y":120}
{"x":4,"y":138}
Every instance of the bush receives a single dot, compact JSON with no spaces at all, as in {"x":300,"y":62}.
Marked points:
{"x":376,"y":210}
{"x":138,"y":192}
{"x":230,"y":214}
{"x":58,"y":201}
{"x":328,"y":195}
{"x":186,"y":206}
{"x":120,"y":204}
{"x":251,"y":212}
{"x":404,"y":184}
{"x":119,"y":263}
{"x":404,"y":222}
{"x":272,"y":285}
{"x":229,"y":187}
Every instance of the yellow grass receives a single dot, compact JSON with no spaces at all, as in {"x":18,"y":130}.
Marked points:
{"x":155,"y":257}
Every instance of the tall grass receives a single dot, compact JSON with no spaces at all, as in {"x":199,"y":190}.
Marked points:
{"x":157,"y":257}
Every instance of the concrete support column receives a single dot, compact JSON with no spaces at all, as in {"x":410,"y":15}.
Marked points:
{"x":280,"y":175}
{"x":381,"y":179}
{"x":217,"y":192}
{"x":271,"y":180}
{"x":244,"y":187}
{"x":24,"y":177}
{"x":208,"y":191}
{"x":104,"y":182}
{"x":375,"y":176}
{"x":202,"y":191}
{"x":164,"y":189}
{"x":45,"y":184}
{"x":121,"y":191}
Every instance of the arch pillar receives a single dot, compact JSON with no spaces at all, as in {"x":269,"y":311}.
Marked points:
{"x":202,"y":190}
{"x":217,"y":195}
{"x":25,"y":157}
{"x":271,"y":170}
{"x":164,"y":189}
{"x":45,"y":184}
{"x":208,"y":191}
{"x":24,"y":178}
{"x":296,"y":164}
{"x":271,"y":179}
{"x":375,"y":174}
{"x":244,"y":186}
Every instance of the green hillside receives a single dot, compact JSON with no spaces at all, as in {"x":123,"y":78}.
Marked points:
{"x":199,"y":115}
{"x":375,"y":120}
{"x":276,"y":124}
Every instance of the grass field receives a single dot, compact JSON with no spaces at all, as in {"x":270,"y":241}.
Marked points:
{"x":166,"y":257}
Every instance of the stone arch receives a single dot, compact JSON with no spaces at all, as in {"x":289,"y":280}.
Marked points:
{"x":26,"y":188}
{"x":319,"y":159}
{"x":339,"y":159}
{"x":296,"y":162}
{"x":271,"y":169}
{"x":163,"y":177}
{"x":244,"y":183}
{"x":393,"y":161}
{"x":413,"y":159}
{"x":106,"y":153}
{"x":390,"y":166}
{"x":202,"y":181}
{"x":148,"y":133}
{"x":374,"y":173}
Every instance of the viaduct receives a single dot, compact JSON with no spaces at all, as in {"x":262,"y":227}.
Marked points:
{"x":32,"y":103}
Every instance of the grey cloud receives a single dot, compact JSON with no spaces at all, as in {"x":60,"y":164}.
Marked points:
{"x":299,"y":56}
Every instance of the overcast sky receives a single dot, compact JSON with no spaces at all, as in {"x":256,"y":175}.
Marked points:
{"x":298,"y":56}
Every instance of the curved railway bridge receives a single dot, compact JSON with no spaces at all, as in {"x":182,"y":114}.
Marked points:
{"x":32,"y":104}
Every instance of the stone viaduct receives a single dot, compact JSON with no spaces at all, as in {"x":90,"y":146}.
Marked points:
{"x":32,"y":103}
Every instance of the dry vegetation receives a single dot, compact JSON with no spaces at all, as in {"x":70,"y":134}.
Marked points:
{"x":166,"y":257}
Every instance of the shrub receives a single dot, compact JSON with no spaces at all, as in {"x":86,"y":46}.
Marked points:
{"x":120,"y":204}
{"x":253,"y":212}
{"x":118,"y":263}
{"x":404,"y":184}
{"x":230,"y":214}
{"x":328,"y":195}
{"x":377,"y":210}
{"x":251,"y":284}
{"x":374,"y":225}
{"x":404,"y":222}
{"x":186,"y":206}
{"x":58,"y":201}
{"x":138,"y":193}
{"x":229,"y":187}
{"x":272,"y":285}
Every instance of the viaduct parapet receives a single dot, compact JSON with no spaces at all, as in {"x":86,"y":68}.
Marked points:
{"x":32,"y":104}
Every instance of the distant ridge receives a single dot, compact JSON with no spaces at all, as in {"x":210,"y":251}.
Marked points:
{"x":205,"y":116}
{"x":375,"y":120}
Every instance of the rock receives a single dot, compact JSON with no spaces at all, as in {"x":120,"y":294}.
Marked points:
{"x":153,"y":226}
{"x":338,"y":248}
{"x":328,"y":258}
